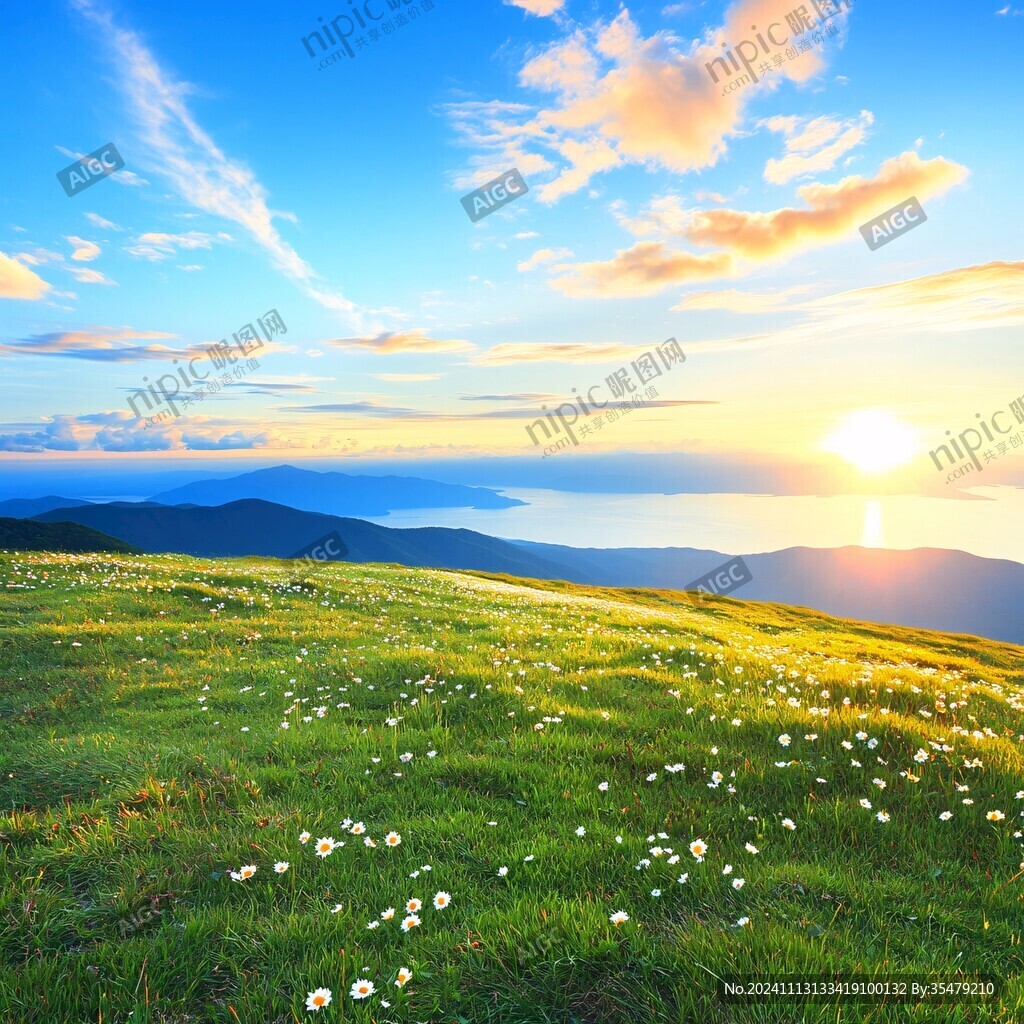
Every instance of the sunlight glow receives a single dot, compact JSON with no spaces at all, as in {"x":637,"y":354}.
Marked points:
{"x":872,"y":536}
{"x":873,"y":440}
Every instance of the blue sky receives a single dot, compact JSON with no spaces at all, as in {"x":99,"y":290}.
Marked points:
{"x":255,"y":179}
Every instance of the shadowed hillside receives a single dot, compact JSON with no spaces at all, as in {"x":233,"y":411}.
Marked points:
{"x":28,"y":535}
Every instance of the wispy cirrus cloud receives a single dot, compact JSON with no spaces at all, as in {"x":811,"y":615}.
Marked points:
{"x":155,"y":245}
{"x":664,"y":217}
{"x":534,"y":413}
{"x":86,"y":275}
{"x":399,"y":378}
{"x":981,"y":297}
{"x":122,"y":177}
{"x":510,"y":352}
{"x":507,"y":398}
{"x":101,"y":222}
{"x":101,"y":345}
{"x":366,"y":408}
{"x":975,"y":298}
{"x":411,"y":341}
{"x":735,"y":301}
{"x":813,"y":145}
{"x":186,"y":155}
{"x":279,"y":386}
{"x":374,"y":410}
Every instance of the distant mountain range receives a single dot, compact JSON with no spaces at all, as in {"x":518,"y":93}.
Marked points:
{"x":22,"y":508}
{"x":336,"y":493}
{"x":928,"y":588}
{"x":931,"y":588}
{"x":255,"y":527}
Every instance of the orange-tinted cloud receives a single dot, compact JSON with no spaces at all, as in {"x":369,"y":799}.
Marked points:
{"x":18,"y":282}
{"x":834,"y":214}
{"x":542,"y":256}
{"x":622,"y":98}
{"x":403,"y":341}
{"x":401,"y":377}
{"x":643,"y":269}
{"x":84,"y":250}
{"x":542,"y":8}
{"x":735,"y":301}
{"x":984,"y":297}
{"x":835,"y":211}
{"x":555,"y":352}
{"x":101,"y":345}
{"x":981,"y":297}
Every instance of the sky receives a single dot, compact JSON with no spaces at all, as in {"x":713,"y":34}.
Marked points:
{"x":323,"y":192}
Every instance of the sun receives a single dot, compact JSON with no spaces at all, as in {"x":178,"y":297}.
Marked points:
{"x":873,"y":440}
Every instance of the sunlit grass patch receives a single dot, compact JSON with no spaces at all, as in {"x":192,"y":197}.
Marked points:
{"x":619,"y":795}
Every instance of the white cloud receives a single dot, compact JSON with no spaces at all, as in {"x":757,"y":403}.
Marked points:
{"x":85,"y":275}
{"x":101,"y":222}
{"x":735,"y":301}
{"x":813,"y":145}
{"x":84,"y":251}
{"x":201,"y":173}
{"x":542,"y":256}
{"x":155,"y":245}
{"x":542,"y":8}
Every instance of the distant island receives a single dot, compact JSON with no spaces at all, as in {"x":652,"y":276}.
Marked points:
{"x":338,"y":494}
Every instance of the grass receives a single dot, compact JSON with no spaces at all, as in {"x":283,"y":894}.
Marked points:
{"x":144,"y":760}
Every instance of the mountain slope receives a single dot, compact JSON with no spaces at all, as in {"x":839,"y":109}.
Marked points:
{"x":336,"y":493}
{"x":926,"y":587}
{"x":932,"y":589}
{"x":29,"y":535}
{"x":25,"y":508}
{"x":254,"y":527}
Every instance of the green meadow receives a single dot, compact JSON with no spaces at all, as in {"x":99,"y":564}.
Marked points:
{"x":620,"y":798}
